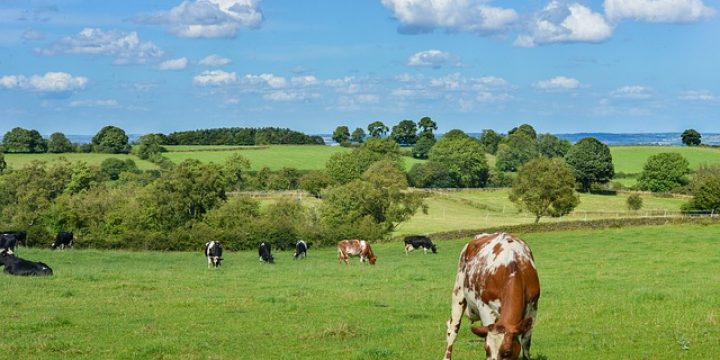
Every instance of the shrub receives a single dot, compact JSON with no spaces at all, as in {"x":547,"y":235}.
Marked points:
{"x":430,"y":175}
{"x":314,"y":182}
{"x":664,"y":172}
{"x":634,"y":202}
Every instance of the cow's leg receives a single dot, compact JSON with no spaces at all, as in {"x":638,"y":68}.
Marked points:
{"x":425,"y":250}
{"x":457,"y":307}
{"x":209,"y":262}
{"x":526,"y":339}
{"x":407,"y":249}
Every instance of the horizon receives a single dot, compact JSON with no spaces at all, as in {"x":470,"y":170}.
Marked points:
{"x":610,"y":66}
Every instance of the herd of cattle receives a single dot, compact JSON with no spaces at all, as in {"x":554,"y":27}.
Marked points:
{"x":496,"y":283}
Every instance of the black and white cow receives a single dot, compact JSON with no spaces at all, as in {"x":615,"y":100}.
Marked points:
{"x":17,"y":266}
{"x":213,"y":251}
{"x":300,"y":250}
{"x":413,"y":242}
{"x":265,"y":253}
{"x":63,"y":239}
{"x":9,"y":241}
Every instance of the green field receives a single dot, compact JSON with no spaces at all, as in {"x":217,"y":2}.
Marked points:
{"x":17,"y":161}
{"x":631,"y":159}
{"x":636,"y":293}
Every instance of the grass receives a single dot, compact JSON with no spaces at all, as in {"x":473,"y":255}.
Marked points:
{"x":17,"y":161}
{"x":631,"y":159}
{"x":635,"y":293}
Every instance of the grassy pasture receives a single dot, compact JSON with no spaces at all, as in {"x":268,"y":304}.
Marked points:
{"x":635,"y":293}
{"x":631,"y":159}
{"x":17,"y":161}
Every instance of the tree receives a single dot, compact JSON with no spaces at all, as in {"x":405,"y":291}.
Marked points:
{"x":314,"y":182}
{"x":551,"y":146}
{"x":111,"y":168}
{"x":111,"y":139}
{"x":664,"y":172}
{"x":705,"y":191}
{"x":464,"y":158}
{"x":634,"y":202}
{"x":427,"y":125}
{"x":377,"y":129}
{"x":59,"y":143}
{"x":545,"y":187}
{"x":19,"y":140}
{"x":524,"y":129}
{"x":514,"y":151}
{"x":422,"y":147}
{"x":3,"y":164}
{"x":347,"y":166}
{"x":691,"y":137}
{"x":591,"y":161}
{"x":150,"y":145}
{"x":405,"y":132}
{"x":358,"y":136}
{"x":430,"y":175}
{"x":234,"y":169}
{"x":341,"y":135}
{"x":490,"y":140}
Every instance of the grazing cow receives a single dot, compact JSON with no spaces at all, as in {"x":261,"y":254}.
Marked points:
{"x":9,"y":241}
{"x":497,"y":283}
{"x":17,"y":266}
{"x":347,"y":248}
{"x":300,"y":250}
{"x":62,"y":239}
{"x":264,"y":252}
{"x":213,"y":251}
{"x":413,"y":242}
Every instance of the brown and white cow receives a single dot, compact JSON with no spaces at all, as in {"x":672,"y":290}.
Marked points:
{"x":347,"y":248}
{"x":497,"y":283}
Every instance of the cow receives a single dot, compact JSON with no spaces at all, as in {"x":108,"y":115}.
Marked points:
{"x":62,"y":239}
{"x":9,"y":241}
{"x":347,"y":248}
{"x":213,"y":251}
{"x":264,"y":250}
{"x":497,"y":283}
{"x":17,"y":266}
{"x":300,"y":250}
{"x":413,"y":242}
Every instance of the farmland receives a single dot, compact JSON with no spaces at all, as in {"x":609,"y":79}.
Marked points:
{"x":21,"y":160}
{"x":629,"y":293}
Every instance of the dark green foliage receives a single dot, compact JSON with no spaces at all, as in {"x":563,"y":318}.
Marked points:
{"x":526,"y":129}
{"x":19,"y":140}
{"x":490,"y":140}
{"x":427,"y":125}
{"x":341,"y":135}
{"x":464,"y":158}
{"x":664,"y":172}
{"x":691,"y":137}
{"x":111,"y":168}
{"x":358,"y":136}
{"x":377,"y":129}
{"x":150,"y":145}
{"x":112,"y":140}
{"x":545,"y":187}
{"x":242,"y":136}
{"x":634,"y":202}
{"x":514,"y":151}
{"x":314,"y":182}
{"x":551,"y":146}
{"x":500,"y":179}
{"x":3,"y":164}
{"x":58,"y":143}
{"x":422,"y":147}
{"x":591,"y":162}
{"x":235,"y":168}
{"x":430,"y":175}
{"x":705,"y":191}
{"x":84,"y":148}
{"x":405,"y":133}
{"x":345,"y":167}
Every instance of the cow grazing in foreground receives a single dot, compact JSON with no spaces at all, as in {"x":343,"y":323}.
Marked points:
{"x":361,"y":248}
{"x":213,"y":251}
{"x":497,"y":283}
{"x":265,"y":253}
{"x":300,"y":250}
{"x":413,"y":242}
{"x":17,"y":266}
{"x":63,"y":239}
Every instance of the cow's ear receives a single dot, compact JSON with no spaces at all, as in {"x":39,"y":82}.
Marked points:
{"x":480,"y":331}
{"x":526,"y":325}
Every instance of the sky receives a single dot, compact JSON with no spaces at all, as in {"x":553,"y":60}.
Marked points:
{"x":168,"y":65}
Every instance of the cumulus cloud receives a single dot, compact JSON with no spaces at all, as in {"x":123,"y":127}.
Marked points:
{"x":558,"y":83}
{"x":215,"y":60}
{"x":345,"y":85}
{"x":215,"y":78}
{"x":270,"y":80}
{"x":698,"y":95}
{"x":662,"y":11}
{"x":125,"y":47}
{"x":108,"y":103}
{"x":207,"y":18}
{"x":561,"y":23}
{"x":307,"y":80}
{"x":432,"y":58}
{"x":174,"y":64}
{"x":632,"y":92}
{"x":50,"y":82}
{"x":283,"y":95}
{"x":416,"y":16}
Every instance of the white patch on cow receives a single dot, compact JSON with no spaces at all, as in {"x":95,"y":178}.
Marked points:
{"x":493,"y":341}
{"x":488,"y":262}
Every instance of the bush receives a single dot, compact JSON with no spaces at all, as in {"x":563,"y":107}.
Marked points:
{"x":634,"y":202}
{"x":111,"y":168}
{"x":705,"y":191}
{"x":314,"y":182}
{"x":663,"y":172}
{"x":500,"y":179}
{"x":430,"y":175}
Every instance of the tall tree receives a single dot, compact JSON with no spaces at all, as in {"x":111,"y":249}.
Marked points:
{"x":19,"y":140}
{"x":405,"y":132}
{"x":664,"y":172}
{"x":691,"y":137}
{"x":358,"y":136}
{"x":341,"y":135}
{"x":464,"y":158}
{"x":59,"y":143}
{"x":490,"y":140}
{"x":422,"y":147}
{"x":111,"y":139}
{"x":591,"y":161}
{"x":377,"y":129}
{"x":545,"y":187}
{"x":514,"y":151}
{"x":524,"y":129}
{"x":551,"y":146}
{"x":427,"y":125}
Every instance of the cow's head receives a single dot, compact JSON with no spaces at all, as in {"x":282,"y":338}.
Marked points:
{"x":502,"y":343}
{"x":372,"y":259}
{"x":433,"y":248}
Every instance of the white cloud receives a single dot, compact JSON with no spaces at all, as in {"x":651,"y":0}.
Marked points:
{"x":282,"y":95}
{"x":492,"y":81}
{"x":559,"y":23}
{"x":307,"y":80}
{"x":109,"y":103}
{"x":345,"y":85}
{"x":698,"y":95}
{"x":456,"y":15}
{"x":33,"y":35}
{"x":214,"y":78}
{"x":667,"y":11}
{"x":632,"y":92}
{"x":50,"y":82}
{"x":174,"y":64}
{"x":367,"y":99}
{"x":558,"y":83}
{"x":125,"y":47}
{"x":432,"y":58}
{"x":215,"y":60}
{"x":270,"y":80}
{"x":207,"y":18}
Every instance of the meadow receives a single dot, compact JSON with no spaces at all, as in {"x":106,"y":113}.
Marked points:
{"x":17,"y":161}
{"x":633,"y":293}
{"x":631,"y":159}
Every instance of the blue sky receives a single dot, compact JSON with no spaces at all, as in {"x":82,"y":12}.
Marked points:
{"x":160,"y":66}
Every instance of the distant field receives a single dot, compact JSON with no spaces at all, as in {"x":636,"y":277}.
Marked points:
{"x":21,"y":160}
{"x":633,"y":293}
{"x":631,"y":159}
